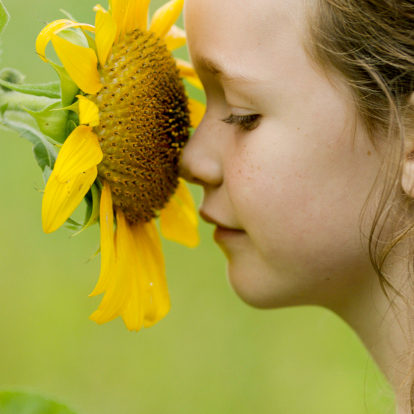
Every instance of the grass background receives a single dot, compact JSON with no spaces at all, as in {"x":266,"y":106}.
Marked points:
{"x":211,"y":354}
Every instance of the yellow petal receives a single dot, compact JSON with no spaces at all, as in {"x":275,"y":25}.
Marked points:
{"x":175,"y":38}
{"x":88,"y":112}
{"x":152,"y":302}
{"x":80,"y":63}
{"x":179,"y":220}
{"x":105,"y":34}
{"x":61,"y":199}
{"x":133,"y":313}
{"x":137,"y":15}
{"x":187,"y":71}
{"x":195,"y":81}
{"x":53,"y":28}
{"x":107,"y":241}
{"x":80,"y":152}
{"x":119,"y":13}
{"x":186,"y":68}
{"x":165,"y":17}
{"x":156,"y":297}
{"x":123,"y":289}
{"x":99,"y":7}
{"x":197,"y":111}
{"x":136,"y":288}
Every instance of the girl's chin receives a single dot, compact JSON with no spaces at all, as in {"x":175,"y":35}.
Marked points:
{"x":261,"y":287}
{"x":253,"y":286}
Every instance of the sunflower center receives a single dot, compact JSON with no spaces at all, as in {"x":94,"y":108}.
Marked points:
{"x":144,"y":123}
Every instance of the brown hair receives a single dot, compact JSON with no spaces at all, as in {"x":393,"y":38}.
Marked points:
{"x":369,"y":45}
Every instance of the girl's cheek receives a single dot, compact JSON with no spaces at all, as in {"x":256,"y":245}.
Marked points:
{"x":262,"y":176}
{"x":280,"y":198}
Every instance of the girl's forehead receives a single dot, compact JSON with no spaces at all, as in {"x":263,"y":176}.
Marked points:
{"x":235,"y":16}
{"x":244,"y":31}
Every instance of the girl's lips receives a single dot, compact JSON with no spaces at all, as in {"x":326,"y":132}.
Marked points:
{"x":222,"y":231}
{"x":209,"y":219}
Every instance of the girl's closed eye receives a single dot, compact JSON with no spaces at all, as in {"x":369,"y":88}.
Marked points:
{"x":245,"y":122}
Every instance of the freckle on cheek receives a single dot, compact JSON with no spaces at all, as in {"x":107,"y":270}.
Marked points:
{"x":369,"y":153}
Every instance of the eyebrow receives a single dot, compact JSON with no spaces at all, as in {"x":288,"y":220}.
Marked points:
{"x":215,"y":69}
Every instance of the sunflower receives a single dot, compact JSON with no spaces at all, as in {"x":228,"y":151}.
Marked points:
{"x":124,"y":150}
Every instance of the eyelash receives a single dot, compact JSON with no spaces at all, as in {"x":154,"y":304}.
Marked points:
{"x":246,"y":123}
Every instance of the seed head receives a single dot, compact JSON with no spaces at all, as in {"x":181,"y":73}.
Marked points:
{"x":144,"y":123}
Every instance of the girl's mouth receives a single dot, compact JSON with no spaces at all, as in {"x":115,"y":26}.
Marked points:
{"x":222,"y":231}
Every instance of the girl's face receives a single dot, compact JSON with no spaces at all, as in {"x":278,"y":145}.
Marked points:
{"x":285,"y":171}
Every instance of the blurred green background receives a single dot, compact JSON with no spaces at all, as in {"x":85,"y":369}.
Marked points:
{"x":211,"y":354}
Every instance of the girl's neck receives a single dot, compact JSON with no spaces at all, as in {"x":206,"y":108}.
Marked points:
{"x":383,"y":326}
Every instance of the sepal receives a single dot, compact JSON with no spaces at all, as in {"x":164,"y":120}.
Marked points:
{"x":74,"y":108}
{"x":91,"y":41}
{"x":70,"y":127}
{"x":46,"y":174}
{"x":69,"y":16}
{"x":74,"y":37}
{"x":92,"y":210}
{"x":68,"y":88}
{"x":51,"y":122}
{"x":73,"y":225}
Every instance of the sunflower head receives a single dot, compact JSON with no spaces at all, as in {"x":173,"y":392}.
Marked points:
{"x":123,"y":119}
{"x":144,"y":122}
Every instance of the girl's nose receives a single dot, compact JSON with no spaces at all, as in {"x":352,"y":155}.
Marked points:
{"x":201,"y":161}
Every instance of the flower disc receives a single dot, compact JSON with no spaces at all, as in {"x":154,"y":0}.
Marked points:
{"x":144,"y":123}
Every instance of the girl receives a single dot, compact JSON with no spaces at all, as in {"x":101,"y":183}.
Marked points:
{"x":305,"y":155}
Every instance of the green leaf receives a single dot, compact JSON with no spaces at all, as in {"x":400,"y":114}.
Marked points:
{"x":4,"y":17}
{"x":3,"y":109}
{"x":26,"y":403}
{"x":68,"y":88}
{"x":20,"y":117}
{"x":52,"y":123}
{"x":92,"y":211}
{"x":43,"y":150}
{"x":11,"y":75}
{"x":15,"y":101}
{"x":50,"y":90}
